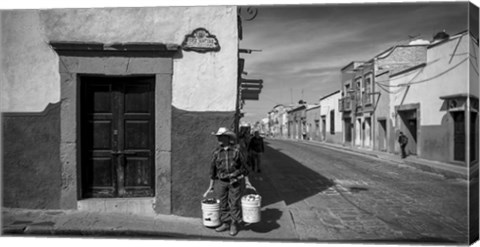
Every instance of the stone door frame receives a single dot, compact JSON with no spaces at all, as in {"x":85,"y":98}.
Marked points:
{"x":135,"y":59}
{"x":398,"y":120}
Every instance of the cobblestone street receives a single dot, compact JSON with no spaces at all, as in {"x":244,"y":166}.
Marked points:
{"x":332,"y":195}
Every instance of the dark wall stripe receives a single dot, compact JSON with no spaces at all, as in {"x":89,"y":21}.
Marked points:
{"x":31,"y":174}
{"x":192,"y":147}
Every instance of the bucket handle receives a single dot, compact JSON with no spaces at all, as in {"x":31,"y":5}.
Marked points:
{"x":205,"y":196}
{"x":252,"y":188}
{"x":206,"y":193}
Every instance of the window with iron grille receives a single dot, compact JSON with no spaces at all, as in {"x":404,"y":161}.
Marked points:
{"x":358,"y":91}
{"x":346,"y":99}
{"x":368,"y":89}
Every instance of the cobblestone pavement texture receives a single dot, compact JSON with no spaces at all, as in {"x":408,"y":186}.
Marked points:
{"x":334,"y":195}
{"x":310,"y":193}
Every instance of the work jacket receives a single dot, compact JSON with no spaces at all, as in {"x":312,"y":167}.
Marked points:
{"x":228,"y":163}
{"x":256,"y":144}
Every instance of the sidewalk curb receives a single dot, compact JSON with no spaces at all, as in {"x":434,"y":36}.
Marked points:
{"x":443,"y":172}
{"x":124,"y":233}
{"x":449,"y":174}
{"x":44,"y":231}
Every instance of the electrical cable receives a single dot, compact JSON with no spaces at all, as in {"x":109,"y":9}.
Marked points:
{"x":425,"y":80}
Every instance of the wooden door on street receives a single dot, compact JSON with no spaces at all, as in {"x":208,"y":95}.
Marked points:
{"x":117,"y":136}
{"x":382,"y":135}
{"x":473,"y":136}
{"x":409,"y":121}
{"x":459,"y":136}
{"x":324,"y":128}
{"x":348,"y":129}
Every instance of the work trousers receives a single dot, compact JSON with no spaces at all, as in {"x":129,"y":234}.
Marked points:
{"x":256,"y":159}
{"x":402,"y":147}
{"x":230,"y":196}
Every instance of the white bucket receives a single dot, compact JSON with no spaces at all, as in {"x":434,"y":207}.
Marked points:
{"x":211,"y":214}
{"x":251,"y":208}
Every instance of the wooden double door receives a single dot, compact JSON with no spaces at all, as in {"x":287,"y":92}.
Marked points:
{"x":409,"y":119}
{"x":460,"y":135}
{"x":117,"y":136}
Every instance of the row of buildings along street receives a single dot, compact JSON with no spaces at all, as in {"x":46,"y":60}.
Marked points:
{"x":417,"y":88}
{"x":111,"y":119}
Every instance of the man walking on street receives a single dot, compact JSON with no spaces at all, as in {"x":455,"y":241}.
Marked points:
{"x":228,"y":178}
{"x":403,"y":140}
{"x":256,"y":148}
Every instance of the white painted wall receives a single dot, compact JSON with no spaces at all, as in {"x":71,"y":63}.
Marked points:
{"x":474,"y":67}
{"x":29,"y":66}
{"x":2,"y":71}
{"x":328,"y":104}
{"x":312,"y":115}
{"x":285,"y":124}
{"x":201,"y":82}
{"x":446,"y":73}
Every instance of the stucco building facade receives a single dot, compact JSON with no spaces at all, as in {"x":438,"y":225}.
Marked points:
{"x":365,"y":101}
{"x":104,"y":109}
{"x":426,"y":89}
{"x":277,"y":121}
{"x":283,"y":121}
{"x":387,"y":64}
{"x":297,"y":121}
{"x":442,"y":124}
{"x":313,"y":122}
{"x":331,"y":118}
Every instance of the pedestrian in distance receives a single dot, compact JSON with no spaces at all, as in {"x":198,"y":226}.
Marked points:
{"x":403,"y":141}
{"x":228,"y":179}
{"x":304,"y":134}
{"x":256,"y":149}
{"x":243,"y":141}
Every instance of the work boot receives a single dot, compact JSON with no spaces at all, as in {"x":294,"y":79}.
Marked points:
{"x":222,"y":228}
{"x":233,"y":229}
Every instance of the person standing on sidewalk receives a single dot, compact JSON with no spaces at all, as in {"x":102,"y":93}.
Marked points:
{"x":228,"y":179}
{"x":403,"y":141}
{"x":255,"y":149}
{"x":243,"y":141}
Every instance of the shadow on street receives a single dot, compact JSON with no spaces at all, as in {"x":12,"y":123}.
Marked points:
{"x":270,"y":216}
{"x":285,"y":179}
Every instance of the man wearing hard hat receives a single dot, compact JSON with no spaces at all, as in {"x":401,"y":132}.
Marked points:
{"x":228,"y":178}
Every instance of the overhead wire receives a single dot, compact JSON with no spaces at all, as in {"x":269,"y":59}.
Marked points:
{"x":435,"y":76}
{"x":390,"y":92}
{"x":453,"y":54}
{"x":474,"y":67}
{"x":411,"y":82}
{"x":474,"y":56}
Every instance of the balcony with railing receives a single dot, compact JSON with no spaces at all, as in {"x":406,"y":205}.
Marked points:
{"x":368,"y":99}
{"x":345,"y":104}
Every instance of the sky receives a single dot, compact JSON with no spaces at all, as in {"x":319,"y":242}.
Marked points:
{"x":305,"y":46}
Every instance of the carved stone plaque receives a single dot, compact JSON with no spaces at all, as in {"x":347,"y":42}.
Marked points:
{"x":200,"y":40}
